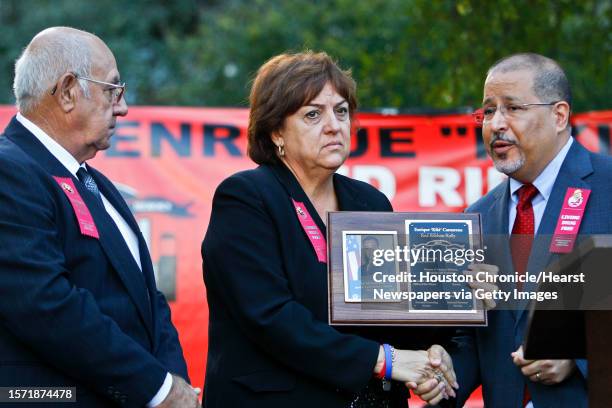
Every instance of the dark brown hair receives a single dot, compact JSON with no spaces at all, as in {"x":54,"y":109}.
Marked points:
{"x":283,"y":85}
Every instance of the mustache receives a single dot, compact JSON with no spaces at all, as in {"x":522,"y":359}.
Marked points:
{"x":502,"y":137}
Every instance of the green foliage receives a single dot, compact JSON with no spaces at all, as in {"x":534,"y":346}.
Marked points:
{"x":403,"y":53}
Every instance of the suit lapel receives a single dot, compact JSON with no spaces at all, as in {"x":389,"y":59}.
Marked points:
{"x":114,"y":197}
{"x":118,"y":253}
{"x":575,"y":167}
{"x":497,"y":217}
{"x":347,"y":197}
{"x":139,"y":284}
{"x":495,"y":228}
{"x":295,"y":192}
{"x":111,"y":240}
{"x":149,"y":275}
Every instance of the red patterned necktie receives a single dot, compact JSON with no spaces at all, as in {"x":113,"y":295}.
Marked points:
{"x":522,"y":239}
{"x":523,"y":230}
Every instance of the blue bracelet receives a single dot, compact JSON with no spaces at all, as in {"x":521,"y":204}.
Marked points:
{"x":388,"y":361}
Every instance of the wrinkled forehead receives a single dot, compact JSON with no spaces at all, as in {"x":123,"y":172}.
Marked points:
{"x":508,"y":86}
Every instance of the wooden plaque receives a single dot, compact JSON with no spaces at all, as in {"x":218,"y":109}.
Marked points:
{"x":398,"y":269}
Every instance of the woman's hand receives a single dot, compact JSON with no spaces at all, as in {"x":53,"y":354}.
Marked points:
{"x":412,"y":366}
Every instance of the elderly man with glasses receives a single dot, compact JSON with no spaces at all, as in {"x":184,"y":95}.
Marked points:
{"x":78,"y":302}
{"x":525,"y":119}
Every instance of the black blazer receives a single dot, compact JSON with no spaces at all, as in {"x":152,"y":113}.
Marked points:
{"x":75,"y":310}
{"x":269,"y":341}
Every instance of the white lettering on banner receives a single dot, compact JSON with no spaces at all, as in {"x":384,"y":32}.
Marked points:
{"x":379,"y":176}
{"x":473,"y":184}
{"x":444,"y":182}
{"x":435,"y":183}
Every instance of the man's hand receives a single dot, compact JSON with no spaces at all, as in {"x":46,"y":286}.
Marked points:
{"x":444,"y":380}
{"x":488,"y":286}
{"x":547,"y":372}
{"x":181,"y":395}
{"x":430,"y":391}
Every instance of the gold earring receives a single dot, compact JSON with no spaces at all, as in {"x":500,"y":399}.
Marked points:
{"x":281,"y":150}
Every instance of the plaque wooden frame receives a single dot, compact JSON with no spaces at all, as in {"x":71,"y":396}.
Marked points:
{"x":343,"y":311}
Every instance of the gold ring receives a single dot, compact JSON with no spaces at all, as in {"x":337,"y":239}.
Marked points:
{"x":538,"y":376}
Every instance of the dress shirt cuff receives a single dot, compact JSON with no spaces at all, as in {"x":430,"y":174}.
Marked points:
{"x":163,"y":392}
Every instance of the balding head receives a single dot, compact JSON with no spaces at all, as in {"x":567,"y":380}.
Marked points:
{"x":550,"y":83}
{"x":50,"y":54}
{"x":66,"y":83}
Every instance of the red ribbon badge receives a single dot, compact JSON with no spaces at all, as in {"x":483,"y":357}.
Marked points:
{"x":86,"y":222}
{"x":569,"y":221}
{"x":317,"y":240}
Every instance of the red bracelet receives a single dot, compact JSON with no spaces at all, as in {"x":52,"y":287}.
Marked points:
{"x":381,"y":374}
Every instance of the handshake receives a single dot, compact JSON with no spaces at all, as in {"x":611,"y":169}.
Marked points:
{"x":429,"y":374}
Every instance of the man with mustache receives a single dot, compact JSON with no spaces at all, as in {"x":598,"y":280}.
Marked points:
{"x":525,"y":119}
{"x":78,"y":302}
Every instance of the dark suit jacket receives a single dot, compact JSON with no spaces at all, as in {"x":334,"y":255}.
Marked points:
{"x":483,"y":355}
{"x":75,"y":310}
{"x":269,"y":341}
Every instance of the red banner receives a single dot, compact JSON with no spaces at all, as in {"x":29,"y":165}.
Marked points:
{"x":167,"y":162}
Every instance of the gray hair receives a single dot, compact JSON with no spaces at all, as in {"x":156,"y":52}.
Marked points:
{"x":45,"y":60}
{"x":550,"y":83}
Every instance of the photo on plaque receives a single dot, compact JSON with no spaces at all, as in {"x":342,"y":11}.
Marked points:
{"x":403,"y":268}
{"x":439,"y":249}
{"x":364,"y":274}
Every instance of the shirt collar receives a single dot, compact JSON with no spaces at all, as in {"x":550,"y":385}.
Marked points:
{"x":61,"y":154}
{"x":546,"y":180}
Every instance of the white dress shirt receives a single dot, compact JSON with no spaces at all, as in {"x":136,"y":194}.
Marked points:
{"x":129,"y":236}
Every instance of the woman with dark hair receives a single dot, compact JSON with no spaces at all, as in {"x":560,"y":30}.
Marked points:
{"x":264,"y":260}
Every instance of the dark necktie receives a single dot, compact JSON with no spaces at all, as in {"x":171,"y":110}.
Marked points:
{"x":523,"y":229}
{"x":89,"y":183}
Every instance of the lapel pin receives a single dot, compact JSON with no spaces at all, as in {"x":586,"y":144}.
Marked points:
{"x":576,"y":199}
{"x":67,"y":187}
